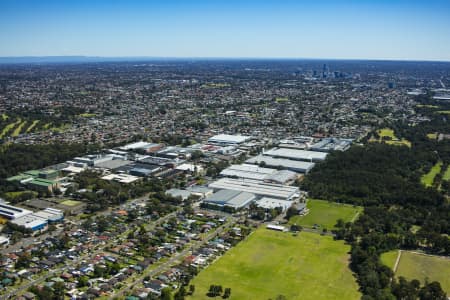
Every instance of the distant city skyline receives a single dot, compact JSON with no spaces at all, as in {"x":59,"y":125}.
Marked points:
{"x":346,"y":29}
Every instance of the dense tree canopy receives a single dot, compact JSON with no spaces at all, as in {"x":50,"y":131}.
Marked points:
{"x":385,"y":179}
{"x":374,"y":174}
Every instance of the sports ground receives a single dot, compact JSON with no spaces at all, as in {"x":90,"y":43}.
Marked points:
{"x":428,"y":179}
{"x":70,"y":202}
{"x":414,"y":265}
{"x":271,"y":263}
{"x":387,"y":132}
{"x":325,"y":214}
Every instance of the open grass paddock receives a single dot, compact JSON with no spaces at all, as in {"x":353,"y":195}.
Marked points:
{"x":271,"y":263}
{"x":325,"y":214}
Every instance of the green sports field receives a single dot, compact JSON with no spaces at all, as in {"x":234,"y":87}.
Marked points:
{"x":387,"y":132}
{"x":428,"y":178}
{"x":325,"y":214}
{"x":389,"y":258}
{"x":432,"y":136}
{"x":423,"y":267}
{"x":271,"y":263}
{"x":447,"y":174}
{"x":71,"y":202}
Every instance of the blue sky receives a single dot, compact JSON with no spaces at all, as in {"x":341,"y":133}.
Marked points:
{"x":390,"y":29}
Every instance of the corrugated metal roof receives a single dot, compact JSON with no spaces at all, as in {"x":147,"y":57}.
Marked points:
{"x":241,"y":200}
{"x":256,"y":187}
{"x":227,"y":138}
{"x":295,"y":165}
{"x":231,"y":198}
{"x":296,"y":154}
{"x":282,"y":176}
{"x":223,"y":196}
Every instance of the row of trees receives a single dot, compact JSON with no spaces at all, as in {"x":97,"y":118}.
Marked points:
{"x":217,"y":290}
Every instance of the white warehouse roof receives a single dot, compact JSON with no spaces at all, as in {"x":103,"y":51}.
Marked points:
{"x":30,"y":221}
{"x":248,"y":171}
{"x":12,"y":212}
{"x":269,"y":203}
{"x":296,"y":154}
{"x":122,"y":178}
{"x":229,"y":139}
{"x":137,"y":145}
{"x":257,"y":187}
{"x":50,"y":214}
{"x":293,"y":165}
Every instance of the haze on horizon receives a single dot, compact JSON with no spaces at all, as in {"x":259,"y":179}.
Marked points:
{"x":345,"y":29}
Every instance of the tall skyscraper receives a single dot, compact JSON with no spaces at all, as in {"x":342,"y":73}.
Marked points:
{"x":325,"y":71}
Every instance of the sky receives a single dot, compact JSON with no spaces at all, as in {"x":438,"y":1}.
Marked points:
{"x":341,"y":29}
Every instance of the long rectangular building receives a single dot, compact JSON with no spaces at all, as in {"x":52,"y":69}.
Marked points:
{"x":31,"y":221}
{"x":228,"y":139}
{"x":331,"y":144}
{"x":257,"y":187}
{"x":231,"y":198}
{"x":288,"y":164}
{"x":296,"y":154}
{"x":12,"y":212}
{"x":50,"y":214}
{"x":247,"y":171}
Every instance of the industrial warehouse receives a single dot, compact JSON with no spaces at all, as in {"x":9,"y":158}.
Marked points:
{"x":226,"y":139}
{"x":230,"y":198}
{"x":258,"y":188}
{"x":288,"y":164}
{"x":296,"y":154}
{"x":331,"y":144}
{"x":266,"y":178}
{"x":248,"y":171}
{"x":29,"y":220}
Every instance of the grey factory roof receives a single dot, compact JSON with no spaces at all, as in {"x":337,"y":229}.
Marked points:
{"x":184,"y":194}
{"x":241,"y":200}
{"x":134,"y":165}
{"x":160,"y":160}
{"x":282,"y":176}
{"x":293,"y":165}
{"x":332,"y":144}
{"x":49,"y":214}
{"x":231,"y":198}
{"x":256,"y":187}
{"x":199,"y":189}
{"x":113,"y":164}
{"x":247,"y":171}
{"x":296,"y":154}
{"x":229,"y":139}
{"x":222,"y":196}
{"x":258,"y":173}
{"x":141,"y":172}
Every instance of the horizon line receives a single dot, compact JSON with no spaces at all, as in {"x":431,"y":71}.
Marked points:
{"x":134,"y":57}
